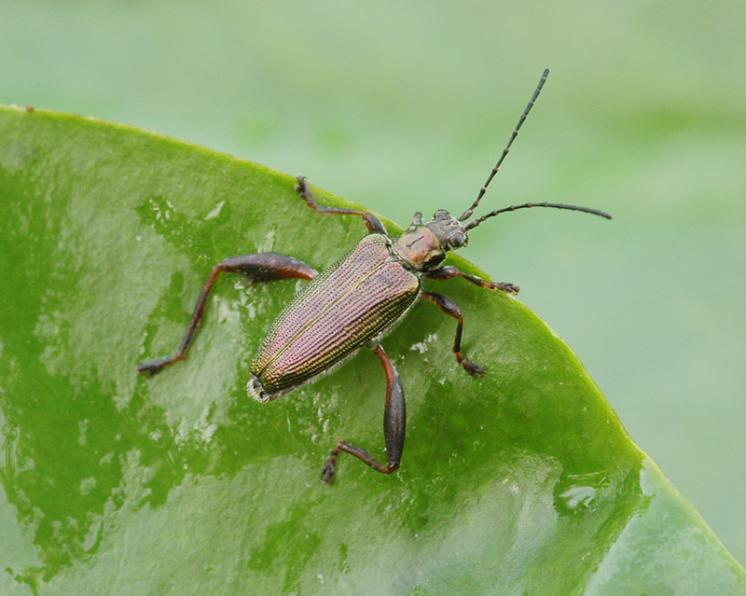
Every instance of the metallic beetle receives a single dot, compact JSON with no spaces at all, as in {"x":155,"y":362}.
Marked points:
{"x":355,"y":302}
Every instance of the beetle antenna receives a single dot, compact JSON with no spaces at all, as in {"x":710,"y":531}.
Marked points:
{"x":467,"y":214}
{"x":479,"y":220}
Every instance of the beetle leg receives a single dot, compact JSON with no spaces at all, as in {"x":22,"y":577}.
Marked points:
{"x":394,"y":427}
{"x":375,"y":226}
{"x":452,"y":309}
{"x":260,"y":267}
{"x":449,"y":272}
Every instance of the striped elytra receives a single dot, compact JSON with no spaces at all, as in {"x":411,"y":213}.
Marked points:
{"x":341,"y":310}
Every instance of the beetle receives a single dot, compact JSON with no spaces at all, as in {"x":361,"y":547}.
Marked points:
{"x":356,"y":302}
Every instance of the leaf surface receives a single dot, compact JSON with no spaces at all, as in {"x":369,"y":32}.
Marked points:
{"x":523,"y":481}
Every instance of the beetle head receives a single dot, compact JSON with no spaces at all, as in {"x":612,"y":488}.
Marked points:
{"x":449,"y":231}
{"x":424,"y":245}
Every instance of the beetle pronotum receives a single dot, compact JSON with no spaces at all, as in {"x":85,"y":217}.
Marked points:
{"x":355,"y":302}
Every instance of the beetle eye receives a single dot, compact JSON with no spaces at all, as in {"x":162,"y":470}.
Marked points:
{"x":458,"y":239}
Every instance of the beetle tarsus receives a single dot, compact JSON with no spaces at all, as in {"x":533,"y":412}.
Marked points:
{"x":473,"y":368}
{"x":394,"y":446}
{"x":152,"y":367}
{"x":327,"y":474}
{"x":504,"y":287}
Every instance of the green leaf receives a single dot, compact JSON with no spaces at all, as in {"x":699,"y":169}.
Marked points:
{"x":523,"y":481}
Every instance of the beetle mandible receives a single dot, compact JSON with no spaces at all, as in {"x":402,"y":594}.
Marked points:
{"x":354,"y":303}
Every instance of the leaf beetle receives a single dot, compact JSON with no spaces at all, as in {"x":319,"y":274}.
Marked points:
{"x":355,"y":302}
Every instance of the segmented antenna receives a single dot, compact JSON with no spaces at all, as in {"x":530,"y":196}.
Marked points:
{"x":467,"y":214}
{"x":479,"y":220}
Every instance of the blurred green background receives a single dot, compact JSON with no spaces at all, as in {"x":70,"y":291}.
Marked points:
{"x":405,"y":108}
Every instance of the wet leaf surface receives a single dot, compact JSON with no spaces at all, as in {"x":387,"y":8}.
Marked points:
{"x":523,"y":481}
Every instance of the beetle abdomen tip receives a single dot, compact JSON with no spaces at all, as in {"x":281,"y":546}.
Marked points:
{"x":256,"y":390}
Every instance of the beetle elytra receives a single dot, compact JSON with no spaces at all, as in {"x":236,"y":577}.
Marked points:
{"x":355,"y":302}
